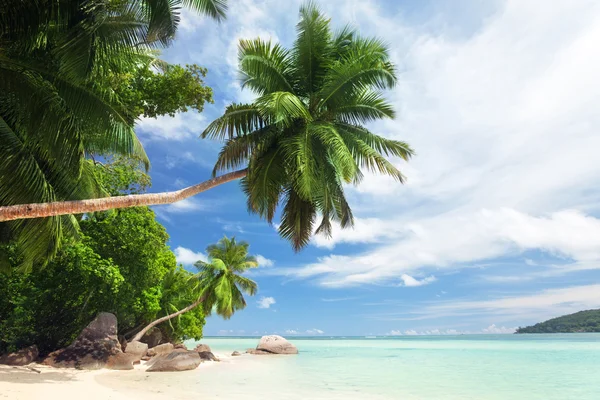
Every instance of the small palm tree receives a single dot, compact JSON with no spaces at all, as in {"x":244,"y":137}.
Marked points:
{"x":219,"y":284}
{"x":301,"y":140}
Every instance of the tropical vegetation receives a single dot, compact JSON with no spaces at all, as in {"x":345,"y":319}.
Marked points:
{"x":220,"y":284}
{"x":582,"y":321}
{"x":74,"y":76}
{"x":120,"y":264}
{"x":301,"y":140}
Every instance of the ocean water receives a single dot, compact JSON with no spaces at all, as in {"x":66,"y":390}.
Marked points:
{"x":478,"y":367}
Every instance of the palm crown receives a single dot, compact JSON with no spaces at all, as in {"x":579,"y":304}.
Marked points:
{"x":304,"y":136}
{"x":220,"y":279}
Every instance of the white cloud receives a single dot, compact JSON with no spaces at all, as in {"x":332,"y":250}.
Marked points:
{"x":434,"y":242}
{"x":183,"y":126}
{"x":188,"y":257}
{"x":314,"y":332}
{"x":183,"y":206}
{"x":336,"y":299}
{"x":291,"y":331}
{"x":410,"y":281}
{"x":517,"y":309}
{"x":498,"y":329}
{"x":264,"y":262}
{"x":505,"y":127}
{"x":411,"y":332}
{"x":394,"y":333}
{"x":265,"y":302}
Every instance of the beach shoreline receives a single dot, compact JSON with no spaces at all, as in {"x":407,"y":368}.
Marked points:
{"x":37,"y":381}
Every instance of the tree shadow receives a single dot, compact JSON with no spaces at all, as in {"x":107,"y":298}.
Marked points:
{"x":24,"y":375}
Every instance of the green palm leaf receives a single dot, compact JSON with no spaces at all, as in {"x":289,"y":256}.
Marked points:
{"x":265,"y":68}
{"x":303,"y":138}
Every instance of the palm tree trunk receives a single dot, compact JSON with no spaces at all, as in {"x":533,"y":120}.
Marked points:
{"x":152,"y":324}
{"x":37,"y":210}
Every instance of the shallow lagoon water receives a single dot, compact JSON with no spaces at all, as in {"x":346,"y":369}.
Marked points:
{"x":478,"y":367}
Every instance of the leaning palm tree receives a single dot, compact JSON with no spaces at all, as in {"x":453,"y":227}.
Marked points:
{"x":55,"y":108}
{"x":219,"y":284}
{"x":301,"y":140}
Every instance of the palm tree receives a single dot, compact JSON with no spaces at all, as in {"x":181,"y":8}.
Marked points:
{"x":301,"y":140}
{"x":55,"y":111}
{"x":219,"y":284}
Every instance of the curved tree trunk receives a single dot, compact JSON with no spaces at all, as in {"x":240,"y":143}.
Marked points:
{"x":37,"y":210}
{"x":152,"y":324}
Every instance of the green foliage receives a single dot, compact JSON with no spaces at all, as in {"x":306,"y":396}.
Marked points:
{"x":221,"y":283}
{"x":148,"y":92}
{"x":582,"y":321}
{"x":49,"y":308}
{"x":304,"y":138}
{"x":179,"y":290}
{"x":121,"y":264}
{"x":122,"y":176}
{"x":58,"y":108}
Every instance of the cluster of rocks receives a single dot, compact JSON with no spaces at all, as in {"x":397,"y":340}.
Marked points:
{"x":98,"y":346}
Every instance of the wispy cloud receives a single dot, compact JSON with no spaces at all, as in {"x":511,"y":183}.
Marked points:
{"x":336,"y":299}
{"x":542,"y":304}
{"x":265,"y":302}
{"x":264,"y":262}
{"x":188,"y":257}
{"x":498,"y":329}
{"x":411,"y":282}
{"x":486,"y":182}
{"x":181,"y":127}
{"x":314,"y":331}
{"x":184,"y":206}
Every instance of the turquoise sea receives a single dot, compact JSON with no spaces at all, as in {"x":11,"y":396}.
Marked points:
{"x":478,"y":367}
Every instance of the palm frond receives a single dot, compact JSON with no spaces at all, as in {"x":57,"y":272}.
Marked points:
{"x":238,"y":120}
{"x":367,"y":106}
{"x":297,"y":219}
{"x":237,"y":150}
{"x":265,"y":67}
{"x":369,"y":158}
{"x":381,"y":144}
{"x":282,"y":108}
{"x":336,"y":148}
{"x":365,"y":66}
{"x":264,"y":182}
{"x":215,"y":9}
{"x":311,"y":48}
{"x":246,"y":284}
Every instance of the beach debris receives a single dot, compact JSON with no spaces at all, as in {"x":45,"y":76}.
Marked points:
{"x":274,"y":344}
{"x":24,"y":356}
{"x":236,"y":353}
{"x":175,"y":361}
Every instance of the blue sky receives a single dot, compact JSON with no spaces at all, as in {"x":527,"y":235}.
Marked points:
{"x":498,"y":224}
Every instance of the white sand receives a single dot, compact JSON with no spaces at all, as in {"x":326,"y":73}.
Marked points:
{"x":21,"y":383}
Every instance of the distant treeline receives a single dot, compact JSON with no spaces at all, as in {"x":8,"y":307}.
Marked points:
{"x":582,"y":321}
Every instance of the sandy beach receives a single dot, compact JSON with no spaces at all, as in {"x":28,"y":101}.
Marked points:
{"x":38,"y":381}
{"x":20,"y":383}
